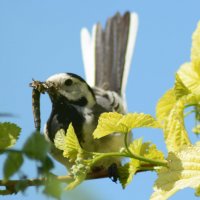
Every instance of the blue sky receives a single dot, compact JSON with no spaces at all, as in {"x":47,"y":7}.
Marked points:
{"x":39,"y":38}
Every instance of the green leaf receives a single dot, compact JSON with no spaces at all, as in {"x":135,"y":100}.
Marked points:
{"x":190,"y":77}
{"x":68,"y":143}
{"x":12,"y":164}
{"x":72,"y":150}
{"x":75,"y":183}
{"x":107,"y":124}
{"x":138,"y":120}
{"x":147,"y":150}
{"x":136,"y":146}
{"x":52,"y":187}
{"x":9,"y":134}
{"x":36,"y":147}
{"x":60,"y":139}
{"x":180,"y":89}
{"x":46,"y":166}
{"x":183,"y":171}
{"x":165,"y":105}
{"x":79,"y":171}
{"x":189,"y":73}
{"x":175,"y":133}
{"x":126,"y":173}
{"x":113,"y":122}
{"x":21,"y":186}
{"x":170,"y":114}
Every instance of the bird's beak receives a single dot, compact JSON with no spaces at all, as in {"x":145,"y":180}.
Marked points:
{"x":41,"y":87}
{"x":44,"y":87}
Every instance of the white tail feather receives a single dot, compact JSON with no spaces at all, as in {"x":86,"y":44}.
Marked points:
{"x":129,"y":52}
{"x":87,"y":46}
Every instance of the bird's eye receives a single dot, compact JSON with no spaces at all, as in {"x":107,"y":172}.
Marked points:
{"x":68,"y":82}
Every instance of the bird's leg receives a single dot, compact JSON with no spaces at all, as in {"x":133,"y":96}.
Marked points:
{"x":113,"y":172}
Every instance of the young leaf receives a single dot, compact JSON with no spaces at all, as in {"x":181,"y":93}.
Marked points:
{"x":12,"y":164}
{"x":175,"y":133}
{"x":189,"y":73}
{"x":52,"y":187}
{"x":107,"y":124}
{"x":190,"y":77}
{"x":75,"y":183}
{"x":183,"y":171}
{"x":165,"y":105}
{"x":9,"y":134}
{"x":36,"y":147}
{"x":68,"y":143}
{"x":126,"y":172}
{"x":79,"y":170}
{"x":147,"y":150}
{"x":179,"y":88}
{"x":60,"y":139}
{"x":46,"y":166}
{"x":138,"y":120}
{"x":117,"y":123}
{"x":136,"y":146}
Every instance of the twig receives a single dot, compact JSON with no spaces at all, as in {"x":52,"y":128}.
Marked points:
{"x":10,"y":185}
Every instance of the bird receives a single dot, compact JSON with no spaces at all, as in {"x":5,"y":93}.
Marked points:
{"x":107,"y":54}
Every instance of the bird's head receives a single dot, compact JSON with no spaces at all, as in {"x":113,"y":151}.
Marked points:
{"x":71,"y":88}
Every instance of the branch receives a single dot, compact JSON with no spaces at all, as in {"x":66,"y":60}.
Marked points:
{"x":10,"y":185}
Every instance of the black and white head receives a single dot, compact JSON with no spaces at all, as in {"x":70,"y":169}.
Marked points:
{"x":71,"y":88}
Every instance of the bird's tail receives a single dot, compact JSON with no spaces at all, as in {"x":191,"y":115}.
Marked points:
{"x":107,"y":52}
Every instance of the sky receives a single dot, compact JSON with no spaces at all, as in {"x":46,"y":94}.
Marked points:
{"x":39,"y":38}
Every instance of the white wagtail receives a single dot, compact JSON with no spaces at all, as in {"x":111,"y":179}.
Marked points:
{"x":107,"y":56}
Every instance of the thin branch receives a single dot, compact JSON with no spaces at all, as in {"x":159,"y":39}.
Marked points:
{"x":11,"y":184}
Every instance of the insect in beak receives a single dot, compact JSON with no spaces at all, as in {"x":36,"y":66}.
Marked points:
{"x":38,"y":88}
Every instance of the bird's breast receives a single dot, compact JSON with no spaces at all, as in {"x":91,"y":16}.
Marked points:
{"x":62,"y":115}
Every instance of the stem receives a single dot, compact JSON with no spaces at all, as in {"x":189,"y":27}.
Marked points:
{"x":144,"y":169}
{"x":33,"y":182}
{"x":126,"y":143}
{"x":128,"y":155}
{"x":10,"y":151}
{"x":189,"y":105}
{"x":154,"y":162}
{"x":142,"y":158}
{"x":105,"y":155}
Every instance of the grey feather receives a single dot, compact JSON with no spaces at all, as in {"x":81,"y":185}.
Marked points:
{"x":110,"y":52}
